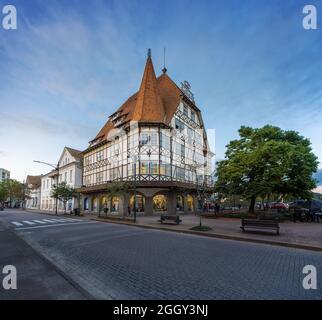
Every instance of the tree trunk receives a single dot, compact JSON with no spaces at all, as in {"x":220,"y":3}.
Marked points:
{"x":252,"y":205}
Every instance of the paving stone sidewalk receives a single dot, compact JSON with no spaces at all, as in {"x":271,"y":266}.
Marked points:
{"x":299,"y":235}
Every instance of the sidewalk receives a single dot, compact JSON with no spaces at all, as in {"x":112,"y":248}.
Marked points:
{"x":297,"y":235}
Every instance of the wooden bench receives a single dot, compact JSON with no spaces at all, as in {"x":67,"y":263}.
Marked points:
{"x":174,"y":218}
{"x":260,"y":224}
{"x":76,"y":212}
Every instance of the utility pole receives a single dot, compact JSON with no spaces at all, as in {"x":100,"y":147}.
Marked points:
{"x":23,"y":194}
{"x":135,"y":159}
{"x":56,"y":167}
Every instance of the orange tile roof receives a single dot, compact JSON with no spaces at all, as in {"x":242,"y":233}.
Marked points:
{"x":77,"y":154}
{"x":35,"y":181}
{"x":155,"y":102}
{"x":148,"y":106}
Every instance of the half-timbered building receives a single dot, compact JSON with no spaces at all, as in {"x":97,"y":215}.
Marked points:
{"x":156,"y":141}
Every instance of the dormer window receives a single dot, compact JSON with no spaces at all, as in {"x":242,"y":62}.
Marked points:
{"x":117,"y":120}
{"x":115,"y":115}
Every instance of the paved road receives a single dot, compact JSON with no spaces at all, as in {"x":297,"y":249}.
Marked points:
{"x":120,"y":262}
{"x":36,"y":277}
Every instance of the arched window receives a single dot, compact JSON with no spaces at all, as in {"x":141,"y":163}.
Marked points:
{"x":180,"y":206}
{"x":160,"y":203}
{"x":140,"y":203}
{"x":86,"y":204}
{"x":115,"y":204}
{"x":95,"y":205}
{"x":104,"y":203}
{"x":190,"y":202}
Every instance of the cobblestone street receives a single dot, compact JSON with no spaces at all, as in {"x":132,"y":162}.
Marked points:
{"x":115,"y":261}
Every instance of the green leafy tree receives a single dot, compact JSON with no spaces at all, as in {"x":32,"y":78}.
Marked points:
{"x":64,"y":193}
{"x":3,"y":192}
{"x":13,"y":190}
{"x":117,"y":188}
{"x":267,"y":161}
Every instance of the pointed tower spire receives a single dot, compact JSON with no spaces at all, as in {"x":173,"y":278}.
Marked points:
{"x":149,"y":107}
{"x":164,"y":70}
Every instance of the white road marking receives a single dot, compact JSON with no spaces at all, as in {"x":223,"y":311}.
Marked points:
{"x":71,"y":220}
{"x":39,"y":221}
{"x":65,"y":220}
{"x":56,"y":225}
{"x":28,"y":222}
{"x":59,"y":220}
{"x":18,"y":224}
{"x":50,"y":221}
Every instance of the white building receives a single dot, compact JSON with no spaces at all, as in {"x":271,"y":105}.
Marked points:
{"x":4,"y":174}
{"x":33,"y":184}
{"x":69,"y":171}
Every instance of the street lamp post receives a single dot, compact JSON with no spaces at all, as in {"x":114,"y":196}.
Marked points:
{"x":202,"y":200}
{"x":135,"y":191}
{"x":134,"y":159}
{"x":201,"y":190}
{"x":134,"y":167}
{"x":56,"y":168}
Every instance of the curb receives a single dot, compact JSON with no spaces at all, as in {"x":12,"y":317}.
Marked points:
{"x":218,"y":236}
{"x":53,"y":214}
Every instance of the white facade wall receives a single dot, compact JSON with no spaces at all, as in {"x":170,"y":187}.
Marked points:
{"x":70,"y":171}
{"x":4,"y":174}
{"x":34,"y":199}
{"x":47,"y":203}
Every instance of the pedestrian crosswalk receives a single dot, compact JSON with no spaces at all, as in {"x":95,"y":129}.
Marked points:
{"x":29,"y":222}
{"x":18,"y":224}
{"x":44,"y":222}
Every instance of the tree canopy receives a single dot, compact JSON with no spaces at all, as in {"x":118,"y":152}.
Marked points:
{"x":63,"y":192}
{"x":11,"y":189}
{"x":3,"y":192}
{"x":267,"y":160}
{"x":117,"y":188}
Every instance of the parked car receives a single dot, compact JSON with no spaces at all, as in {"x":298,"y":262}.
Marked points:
{"x":311,"y":205}
{"x":309,"y":210}
{"x":279,"y":206}
{"x":296,"y":205}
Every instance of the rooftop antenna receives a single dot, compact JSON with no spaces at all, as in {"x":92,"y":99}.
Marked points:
{"x":164,"y":70}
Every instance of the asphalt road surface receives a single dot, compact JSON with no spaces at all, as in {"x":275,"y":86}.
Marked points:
{"x":110,"y":261}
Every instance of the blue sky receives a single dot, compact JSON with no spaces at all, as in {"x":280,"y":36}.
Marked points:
{"x":70,"y":64}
